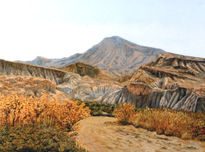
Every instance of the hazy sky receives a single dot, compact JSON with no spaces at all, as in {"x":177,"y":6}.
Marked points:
{"x":60,"y":28}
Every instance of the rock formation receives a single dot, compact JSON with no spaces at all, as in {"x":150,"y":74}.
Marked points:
{"x":171,"y":81}
{"x":85,"y":69}
{"x":12,"y":68}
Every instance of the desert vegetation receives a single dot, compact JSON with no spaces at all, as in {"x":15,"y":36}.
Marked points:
{"x":125,"y":113}
{"x":38,"y":138}
{"x":186,"y":125}
{"x":38,"y":124}
{"x":99,"y":109}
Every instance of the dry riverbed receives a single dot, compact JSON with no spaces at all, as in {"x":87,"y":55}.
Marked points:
{"x":104,"y":134}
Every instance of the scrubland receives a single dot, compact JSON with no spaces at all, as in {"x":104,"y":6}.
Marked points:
{"x":38,"y":124}
{"x":185,"y":125}
{"x":45,"y":124}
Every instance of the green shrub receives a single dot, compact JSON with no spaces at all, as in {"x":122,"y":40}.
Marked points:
{"x":38,"y":138}
{"x":100,"y":109}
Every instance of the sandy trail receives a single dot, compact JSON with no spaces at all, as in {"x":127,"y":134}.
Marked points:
{"x":103,"y":134}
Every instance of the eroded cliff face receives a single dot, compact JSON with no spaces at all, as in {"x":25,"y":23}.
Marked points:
{"x":177,"y":98}
{"x":12,"y":68}
{"x":35,"y":81}
{"x":89,"y":89}
{"x":171,"y":81}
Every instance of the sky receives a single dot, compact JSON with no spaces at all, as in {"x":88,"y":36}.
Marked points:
{"x":60,"y":28}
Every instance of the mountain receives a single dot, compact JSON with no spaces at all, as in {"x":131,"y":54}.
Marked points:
{"x":119,"y":56}
{"x":113,"y":54}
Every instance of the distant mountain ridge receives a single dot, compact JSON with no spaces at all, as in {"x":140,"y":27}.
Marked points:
{"x":113,"y":54}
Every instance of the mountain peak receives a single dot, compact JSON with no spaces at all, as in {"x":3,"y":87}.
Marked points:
{"x":117,"y":41}
{"x":114,"y":38}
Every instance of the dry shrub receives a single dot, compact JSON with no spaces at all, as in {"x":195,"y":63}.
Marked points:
{"x":186,"y":125}
{"x":125,"y":113}
{"x":65,"y":114}
{"x":16,"y":110}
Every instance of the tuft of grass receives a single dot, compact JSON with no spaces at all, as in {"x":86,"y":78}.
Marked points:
{"x":125,"y":113}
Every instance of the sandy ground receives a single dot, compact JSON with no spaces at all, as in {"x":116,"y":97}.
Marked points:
{"x":103,"y":134}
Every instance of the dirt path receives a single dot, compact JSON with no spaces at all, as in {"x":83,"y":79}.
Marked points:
{"x":103,"y":134}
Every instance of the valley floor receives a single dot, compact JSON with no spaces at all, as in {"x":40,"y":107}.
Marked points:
{"x":104,"y":134}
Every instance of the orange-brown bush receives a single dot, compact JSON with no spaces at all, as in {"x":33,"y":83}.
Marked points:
{"x":182,"y":124}
{"x":125,"y":113}
{"x":186,"y":125}
{"x":16,"y":109}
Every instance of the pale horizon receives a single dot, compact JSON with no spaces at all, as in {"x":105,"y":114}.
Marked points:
{"x":57,"y":29}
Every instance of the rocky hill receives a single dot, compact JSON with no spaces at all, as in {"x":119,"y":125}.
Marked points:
{"x":172,"y":81}
{"x":29,"y":87}
{"x":113,"y":54}
{"x":13,"y":68}
{"x":86,"y":70}
{"x":69,"y":83}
